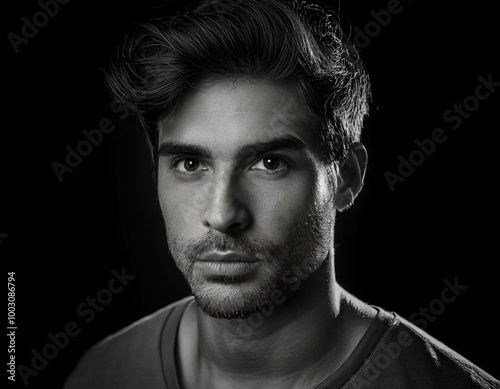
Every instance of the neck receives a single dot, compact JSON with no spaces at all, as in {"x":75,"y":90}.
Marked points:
{"x":306,"y":324}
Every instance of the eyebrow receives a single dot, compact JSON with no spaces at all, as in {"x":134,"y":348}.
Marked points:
{"x":283,"y":143}
{"x":173,"y":147}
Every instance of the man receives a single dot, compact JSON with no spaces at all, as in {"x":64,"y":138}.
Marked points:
{"x":253,"y":111}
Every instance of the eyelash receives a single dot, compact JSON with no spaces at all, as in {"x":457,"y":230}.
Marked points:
{"x":176,"y":161}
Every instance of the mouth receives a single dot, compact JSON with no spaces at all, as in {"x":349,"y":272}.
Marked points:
{"x":227,"y":264}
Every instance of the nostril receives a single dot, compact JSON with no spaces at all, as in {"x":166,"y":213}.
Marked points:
{"x":227,"y":220}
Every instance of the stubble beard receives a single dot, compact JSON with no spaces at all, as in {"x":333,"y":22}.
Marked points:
{"x":228,"y":297}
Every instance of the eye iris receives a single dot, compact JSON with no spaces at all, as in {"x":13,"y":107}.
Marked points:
{"x":191,"y":165}
{"x":271,"y":163}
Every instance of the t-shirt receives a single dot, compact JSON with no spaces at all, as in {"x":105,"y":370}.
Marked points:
{"x":393,"y":353}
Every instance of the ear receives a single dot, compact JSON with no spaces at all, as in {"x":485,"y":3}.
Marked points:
{"x":351,"y":175}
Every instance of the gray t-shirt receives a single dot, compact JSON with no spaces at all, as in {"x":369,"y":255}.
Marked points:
{"x":393,"y":353}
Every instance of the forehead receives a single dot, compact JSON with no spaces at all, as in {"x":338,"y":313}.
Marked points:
{"x":228,"y":114}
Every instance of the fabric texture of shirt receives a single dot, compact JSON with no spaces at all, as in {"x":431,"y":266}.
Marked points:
{"x":393,"y":353}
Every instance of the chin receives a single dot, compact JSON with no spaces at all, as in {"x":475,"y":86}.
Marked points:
{"x":230,"y":299}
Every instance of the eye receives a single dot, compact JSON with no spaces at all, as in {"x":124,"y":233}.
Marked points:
{"x":189,"y":165}
{"x":270,"y":164}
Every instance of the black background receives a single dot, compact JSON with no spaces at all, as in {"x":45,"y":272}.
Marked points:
{"x":396,"y":248}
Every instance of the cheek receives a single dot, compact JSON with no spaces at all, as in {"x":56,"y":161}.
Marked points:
{"x":181,"y":209}
{"x":278,"y":209}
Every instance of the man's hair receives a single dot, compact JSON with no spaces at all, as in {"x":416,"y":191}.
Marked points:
{"x":288,"y":41}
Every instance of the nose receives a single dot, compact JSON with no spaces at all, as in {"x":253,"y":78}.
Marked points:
{"x":226,"y":211}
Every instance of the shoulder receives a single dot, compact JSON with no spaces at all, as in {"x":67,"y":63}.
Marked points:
{"x":407,"y":356}
{"x":130,"y":354}
{"x":445,"y":363}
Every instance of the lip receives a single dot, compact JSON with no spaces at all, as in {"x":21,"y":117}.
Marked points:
{"x":227,"y":264}
{"x":227,"y":256}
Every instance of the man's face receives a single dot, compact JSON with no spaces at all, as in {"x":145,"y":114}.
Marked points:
{"x":243,"y":193}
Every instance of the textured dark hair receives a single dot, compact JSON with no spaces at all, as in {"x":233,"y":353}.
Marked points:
{"x":289,"y":41}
